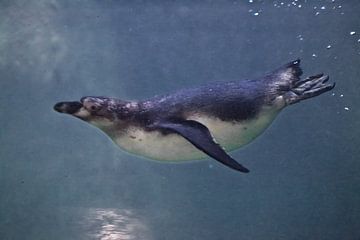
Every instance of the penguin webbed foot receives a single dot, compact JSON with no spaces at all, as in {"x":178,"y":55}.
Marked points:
{"x":307,"y":88}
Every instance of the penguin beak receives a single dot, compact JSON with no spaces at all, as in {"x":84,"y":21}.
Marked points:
{"x":68,"y":107}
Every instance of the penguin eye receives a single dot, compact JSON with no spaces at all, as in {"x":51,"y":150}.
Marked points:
{"x":94,"y":108}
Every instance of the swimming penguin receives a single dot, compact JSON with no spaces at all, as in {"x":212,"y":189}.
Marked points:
{"x":192,"y":123}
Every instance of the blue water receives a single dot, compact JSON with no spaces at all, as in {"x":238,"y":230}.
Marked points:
{"x":63,"y":179}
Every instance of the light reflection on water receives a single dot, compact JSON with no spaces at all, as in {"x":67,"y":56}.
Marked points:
{"x":114,"y":224}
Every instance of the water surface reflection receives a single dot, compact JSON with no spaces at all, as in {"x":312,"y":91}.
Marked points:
{"x":114,"y":224}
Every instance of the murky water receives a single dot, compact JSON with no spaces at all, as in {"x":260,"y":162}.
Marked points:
{"x":63,"y":179}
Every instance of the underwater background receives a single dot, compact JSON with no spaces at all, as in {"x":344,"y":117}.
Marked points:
{"x":63,"y":179}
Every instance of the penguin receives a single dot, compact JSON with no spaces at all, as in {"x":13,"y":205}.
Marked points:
{"x":209,"y":120}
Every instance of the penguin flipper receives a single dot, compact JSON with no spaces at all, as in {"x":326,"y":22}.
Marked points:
{"x":200,"y":136}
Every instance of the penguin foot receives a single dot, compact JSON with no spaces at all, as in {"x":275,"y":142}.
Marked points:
{"x":308,"y":88}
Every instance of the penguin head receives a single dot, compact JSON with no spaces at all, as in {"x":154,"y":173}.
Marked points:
{"x":103,"y":112}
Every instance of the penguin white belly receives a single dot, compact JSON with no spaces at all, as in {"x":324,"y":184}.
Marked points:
{"x":173,"y":147}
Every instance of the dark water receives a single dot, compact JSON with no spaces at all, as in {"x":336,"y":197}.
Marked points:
{"x":62,"y":179}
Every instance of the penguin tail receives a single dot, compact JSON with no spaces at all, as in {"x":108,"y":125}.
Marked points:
{"x":285,"y":77}
{"x":286,"y":81}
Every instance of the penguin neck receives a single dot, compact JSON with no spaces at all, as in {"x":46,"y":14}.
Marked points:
{"x":113,"y":130}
